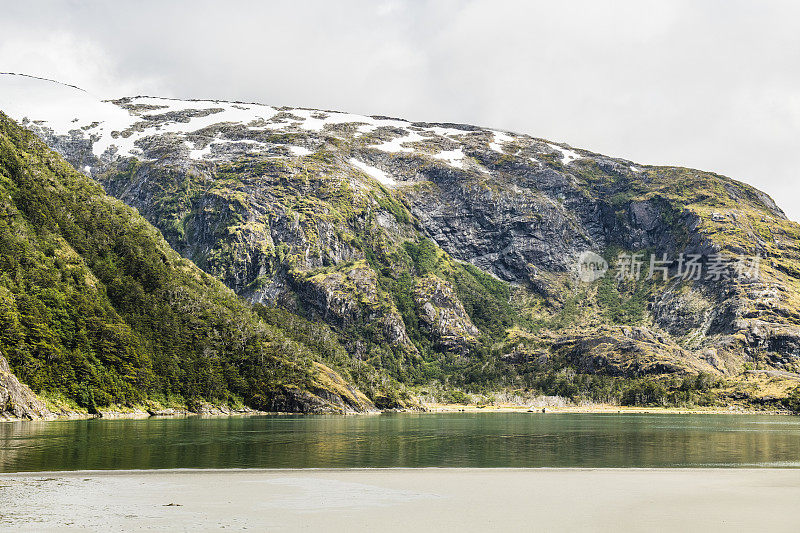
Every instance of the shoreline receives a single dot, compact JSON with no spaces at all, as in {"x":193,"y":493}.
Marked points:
{"x":430,"y":408}
{"x":403,"y":499}
{"x":378,"y":469}
{"x":601,"y":409}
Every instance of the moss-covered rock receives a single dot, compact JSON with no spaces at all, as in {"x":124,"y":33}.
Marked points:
{"x":444,"y":315}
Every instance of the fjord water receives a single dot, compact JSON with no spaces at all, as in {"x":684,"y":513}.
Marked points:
{"x":404,"y":440}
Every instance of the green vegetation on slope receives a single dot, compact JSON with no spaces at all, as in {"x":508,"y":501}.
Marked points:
{"x":98,"y":308}
{"x":485,"y":298}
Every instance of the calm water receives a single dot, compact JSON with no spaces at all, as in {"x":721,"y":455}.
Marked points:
{"x":405,"y":440}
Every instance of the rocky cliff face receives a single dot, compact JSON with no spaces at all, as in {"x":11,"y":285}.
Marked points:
{"x":443,"y":315}
{"x":420,"y":241}
{"x":18,"y":400}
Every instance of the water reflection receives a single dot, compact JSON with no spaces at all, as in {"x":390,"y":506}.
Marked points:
{"x":404,"y":440}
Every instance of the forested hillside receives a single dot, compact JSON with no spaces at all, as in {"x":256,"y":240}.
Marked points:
{"x":97,"y":309}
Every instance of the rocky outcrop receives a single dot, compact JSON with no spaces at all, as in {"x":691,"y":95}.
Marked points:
{"x":444,"y":315}
{"x":328,"y":393}
{"x":17,"y":400}
{"x":630,"y":352}
{"x":351,"y":296}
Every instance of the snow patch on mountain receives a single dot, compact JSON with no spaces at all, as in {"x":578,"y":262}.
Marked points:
{"x":567,"y":155}
{"x":396,"y":145}
{"x":198,"y":154}
{"x":152,"y":128}
{"x":453,"y":158}
{"x":373,"y":172}
{"x":299,"y":150}
{"x":499,"y":138}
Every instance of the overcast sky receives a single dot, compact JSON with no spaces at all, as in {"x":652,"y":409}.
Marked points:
{"x":713,"y":85}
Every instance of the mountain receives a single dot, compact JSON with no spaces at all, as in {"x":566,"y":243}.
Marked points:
{"x":448,"y":256}
{"x":98,"y":311}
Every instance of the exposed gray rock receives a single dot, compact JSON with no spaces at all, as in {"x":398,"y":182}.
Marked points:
{"x":17,"y":400}
{"x":444,"y":315}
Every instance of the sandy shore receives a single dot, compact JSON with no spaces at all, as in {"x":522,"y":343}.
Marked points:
{"x":596,"y":408}
{"x":402,"y":500}
{"x":137,"y":413}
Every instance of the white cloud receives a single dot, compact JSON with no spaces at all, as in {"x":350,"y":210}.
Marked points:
{"x":699,"y":84}
{"x":66,"y":57}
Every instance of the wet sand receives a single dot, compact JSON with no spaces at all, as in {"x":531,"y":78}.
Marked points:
{"x":403,"y":500}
